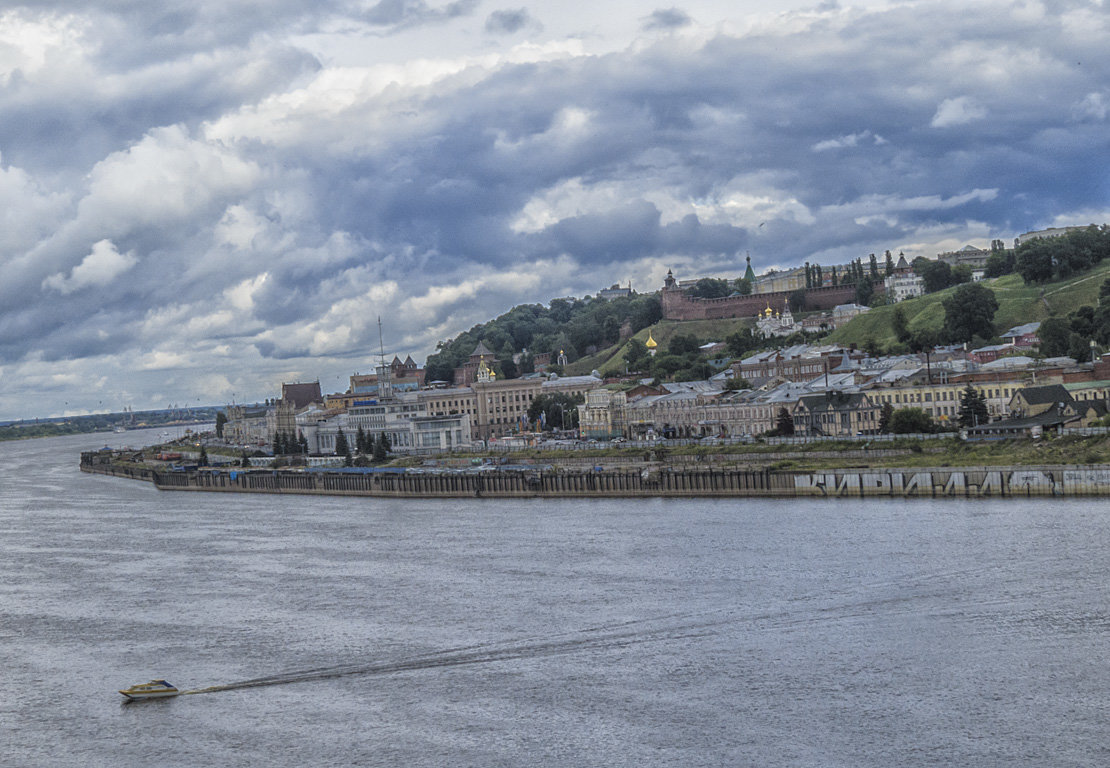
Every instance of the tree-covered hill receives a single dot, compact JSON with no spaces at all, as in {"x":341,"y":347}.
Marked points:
{"x":578,"y":327}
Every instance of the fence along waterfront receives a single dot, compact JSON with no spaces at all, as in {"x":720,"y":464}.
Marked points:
{"x":963,"y":482}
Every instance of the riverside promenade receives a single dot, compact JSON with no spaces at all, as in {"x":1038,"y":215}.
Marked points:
{"x":545,"y":482}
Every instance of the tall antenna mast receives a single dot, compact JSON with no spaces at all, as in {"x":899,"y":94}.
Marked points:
{"x":385,"y":386}
{"x":381,"y":344}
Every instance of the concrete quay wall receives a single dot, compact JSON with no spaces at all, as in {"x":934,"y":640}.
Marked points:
{"x":964,"y":482}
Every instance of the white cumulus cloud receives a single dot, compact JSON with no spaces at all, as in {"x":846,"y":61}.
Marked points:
{"x":103,"y":265}
{"x":958,"y":111}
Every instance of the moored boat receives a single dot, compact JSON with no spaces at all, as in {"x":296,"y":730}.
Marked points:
{"x":155,"y":689}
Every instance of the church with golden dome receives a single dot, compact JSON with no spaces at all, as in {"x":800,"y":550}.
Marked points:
{"x":771,"y":323}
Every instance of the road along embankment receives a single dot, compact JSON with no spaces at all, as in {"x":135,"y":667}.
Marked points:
{"x":938,"y":482}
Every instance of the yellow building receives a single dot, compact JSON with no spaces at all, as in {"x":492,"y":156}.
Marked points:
{"x":942,"y":401}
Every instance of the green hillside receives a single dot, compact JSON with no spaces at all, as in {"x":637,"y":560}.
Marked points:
{"x":611,"y":359}
{"x":1018,"y":303}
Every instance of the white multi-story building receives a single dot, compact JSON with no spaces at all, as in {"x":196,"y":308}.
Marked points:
{"x":903,"y":285}
{"x":403,"y":419}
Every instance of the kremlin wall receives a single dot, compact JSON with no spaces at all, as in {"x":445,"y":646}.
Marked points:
{"x":678,"y":305}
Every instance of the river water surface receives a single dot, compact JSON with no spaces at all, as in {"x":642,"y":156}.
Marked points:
{"x":586,"y":633}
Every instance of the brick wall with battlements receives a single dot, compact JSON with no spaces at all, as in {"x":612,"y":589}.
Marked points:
{"x":679,"y":306}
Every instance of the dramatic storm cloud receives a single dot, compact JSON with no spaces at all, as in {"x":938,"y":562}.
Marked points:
{"x":201,"y":200}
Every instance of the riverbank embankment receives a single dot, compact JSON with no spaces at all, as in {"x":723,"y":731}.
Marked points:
{"x":650,"y":481}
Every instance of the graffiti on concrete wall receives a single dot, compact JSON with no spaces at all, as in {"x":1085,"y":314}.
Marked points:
{"x":994,"y":482}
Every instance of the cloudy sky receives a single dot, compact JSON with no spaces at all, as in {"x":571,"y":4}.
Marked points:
{"x":200,"y":200}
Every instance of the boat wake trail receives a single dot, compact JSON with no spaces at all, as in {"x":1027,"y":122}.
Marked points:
{"x":797,"y":612}
{"x":595,"y":639}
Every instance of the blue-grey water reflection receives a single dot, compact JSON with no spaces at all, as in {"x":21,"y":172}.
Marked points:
{"x":497,"y":633}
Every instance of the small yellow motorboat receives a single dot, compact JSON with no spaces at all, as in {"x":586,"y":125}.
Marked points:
{"x":155,"y":689}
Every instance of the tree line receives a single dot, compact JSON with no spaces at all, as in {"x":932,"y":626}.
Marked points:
{"x":575,"y":327}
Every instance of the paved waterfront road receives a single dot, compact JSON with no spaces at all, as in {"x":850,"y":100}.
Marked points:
{"x":482,"y":633}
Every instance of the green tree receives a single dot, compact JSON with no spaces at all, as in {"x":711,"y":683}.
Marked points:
{"x":865,"y":291}
{"x":885,"y":415}
{"x":906,"y":421}
{"x":278,"y":446}
{"x":1054,"y":334}
{"x":699,"y":371}
{"x":999,"y":263}
{"x":380,"y":448}
{"x":221,"y":419}
{"x":936,"y":275}
{"x":740,"y":342}
{"x":360,"y":441}
{"x":636,"y":355}
{"x":743,"y":286}
{"x":558,"y":410}
{"x":784,"y":423}
{"x":973,"y":408}
{"x":245,"y":460}
{"x":961,"y":274}
{"x":969,"y":312}
{"x":341,"y":447}
{"x":666,"y":365}
{"x":683,"y":344}
{"x":710,"y":288}
{"x":203,"y":460}
{"x":900,"y":325}
{"x":1079,"y":348}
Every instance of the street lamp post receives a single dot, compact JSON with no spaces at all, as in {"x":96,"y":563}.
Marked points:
{"x":562,"y":416}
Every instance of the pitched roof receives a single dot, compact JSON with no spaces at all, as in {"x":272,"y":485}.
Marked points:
{"x":480,"y":350}
{"x":1048,"y":393}
{"x":302,"y":394}
{"x":1021,"y":330}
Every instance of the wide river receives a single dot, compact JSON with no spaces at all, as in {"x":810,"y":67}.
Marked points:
{"x":541,"y":633}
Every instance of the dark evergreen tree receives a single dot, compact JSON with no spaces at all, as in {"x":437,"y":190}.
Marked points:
{"x":874,"y":267}
{"x":277,"y":443}
{"x":203,"y":460}
{"x":245,"y":460}
{"x":303,"y":442}
{"x":379,"y":450}
{"x":360,"y":441}
{"x":784,"y":423}
{"x":341,"y":447}
{"x":221,"y":419}
{"x":973,"y":408}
